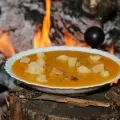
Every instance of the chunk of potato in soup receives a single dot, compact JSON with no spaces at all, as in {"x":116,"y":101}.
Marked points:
{"x":66,"y":69}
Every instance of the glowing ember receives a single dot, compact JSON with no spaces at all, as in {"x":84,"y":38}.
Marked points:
{"x":5,"y":46}
{"x":71,"y":41}
{"x":41,"y":37}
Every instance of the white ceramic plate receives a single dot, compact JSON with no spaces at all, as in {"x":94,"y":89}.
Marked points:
{"x":60,"y":90}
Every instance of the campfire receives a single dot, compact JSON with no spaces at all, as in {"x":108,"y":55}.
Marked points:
{"x":22,"y":31}
{"x":42,"y":34}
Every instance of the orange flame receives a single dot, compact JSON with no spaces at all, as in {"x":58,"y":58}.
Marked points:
{"x":5,"y":46}
{"x":41,"y":37}
{"x":68,"y":39}
{"x":111,"y":48}
{"x":114,"y":82}
{"x":37,"y":37}
{"x":71,"y":41}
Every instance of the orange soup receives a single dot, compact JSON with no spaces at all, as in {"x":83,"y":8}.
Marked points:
{"x":65,"y":68}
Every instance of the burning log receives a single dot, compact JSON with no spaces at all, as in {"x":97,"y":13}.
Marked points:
{"x":100,"y":8}
{"x":20,"y":19}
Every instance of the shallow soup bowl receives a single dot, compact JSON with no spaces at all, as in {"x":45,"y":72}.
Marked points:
{"x":56,"y":89}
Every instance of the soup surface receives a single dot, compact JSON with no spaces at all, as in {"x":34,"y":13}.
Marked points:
{"x":65,"y":68}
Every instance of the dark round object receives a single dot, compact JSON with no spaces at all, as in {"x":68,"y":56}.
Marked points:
{"x":94,"y":36}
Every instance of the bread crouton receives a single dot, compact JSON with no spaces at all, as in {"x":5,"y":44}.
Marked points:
{"x":83,"y":69}
{"x":34,"y":68}
{"x":95,"y":58}
{"x":56,"y":71}
{"x":41,"y":78}
{"x":98,"y":68}
{"x":25,"y":59}
{"x":40,"y":54}
{"x":62,"y":57}
{"x":72,"y":61}
{"x":105,"y":73}
{"x":41,"y":61}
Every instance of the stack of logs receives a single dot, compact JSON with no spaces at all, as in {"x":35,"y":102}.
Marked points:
{"x":28,"y":104}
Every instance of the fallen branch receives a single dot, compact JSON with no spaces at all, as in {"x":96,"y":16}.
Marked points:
{"x":73,"y":101}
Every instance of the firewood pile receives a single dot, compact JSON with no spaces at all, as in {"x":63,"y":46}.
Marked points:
{"x":28,"y":104}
